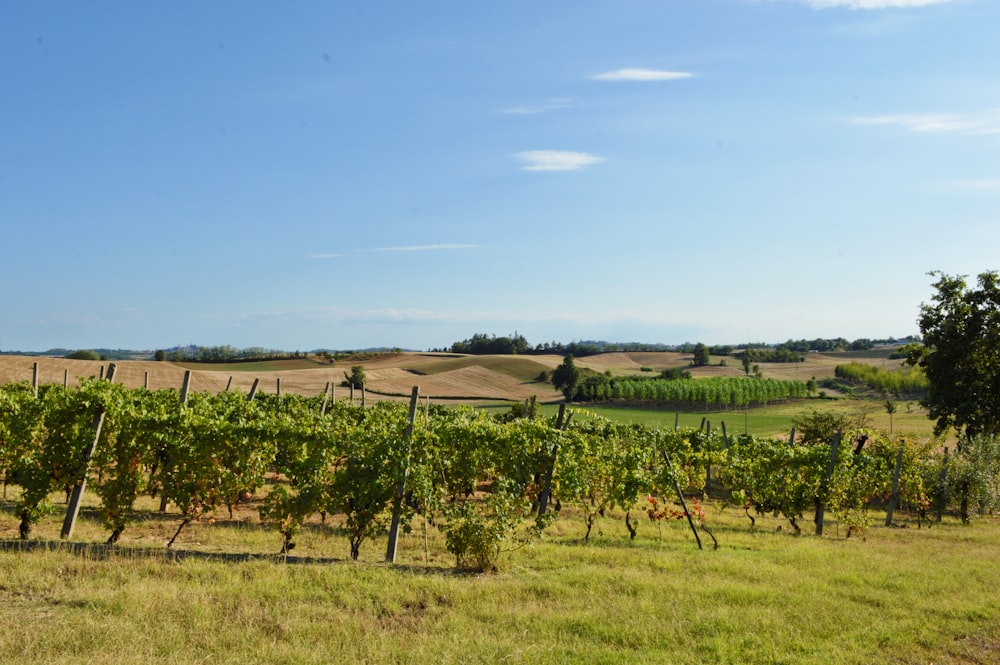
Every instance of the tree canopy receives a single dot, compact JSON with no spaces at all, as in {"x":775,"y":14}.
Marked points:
{"x":566,"y":377}
{"x":961,"y":331}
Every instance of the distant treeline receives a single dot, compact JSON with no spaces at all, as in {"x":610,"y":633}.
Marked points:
{"x":225,"y":354}
{"x":789,"y":351}
{"x":483,"y":344}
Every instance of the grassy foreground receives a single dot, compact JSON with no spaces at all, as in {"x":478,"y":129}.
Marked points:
{"x":902,"y":595}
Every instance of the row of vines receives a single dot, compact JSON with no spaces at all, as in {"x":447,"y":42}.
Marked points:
{"x":484,"y":480}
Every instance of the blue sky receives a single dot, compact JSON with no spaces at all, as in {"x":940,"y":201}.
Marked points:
{"x":346,"y":175}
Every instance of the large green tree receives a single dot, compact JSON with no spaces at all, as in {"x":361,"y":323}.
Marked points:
{"x":701,"y":355}
{"x":566,"y":377}
{"x":961,"y":354}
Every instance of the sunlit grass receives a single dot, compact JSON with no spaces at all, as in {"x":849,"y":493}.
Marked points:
{"x":899,"y":595}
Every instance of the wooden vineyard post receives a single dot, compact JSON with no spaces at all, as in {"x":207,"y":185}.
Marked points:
{"x":725,"y":437}
{"x":73,"y":510}
{"x":351,"y":395}
{"x":562,"y":415}
{"x":362,"y":395}
{"x":253,"y":390}
{"x":229,"y":383}
{"x":820,"y":510}
{"x":34,"y":379}
{"x":677,"y":418}
{"x":277,"y":386}
{"x":397,"y":503}
{"x":546,"y":493}
{"x":145,"y":380}
{"x":680,"y":497}
{"x":791,"y":438}
{"x":185,"y":390}
{"x":326,"y":399}
{"x":101,"y":377}
{"x":894,"y":500}
{"x":66,"y":378}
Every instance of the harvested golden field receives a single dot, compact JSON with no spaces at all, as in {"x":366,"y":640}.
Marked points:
{"x":443,"y":375}
{"x":387,"y":375}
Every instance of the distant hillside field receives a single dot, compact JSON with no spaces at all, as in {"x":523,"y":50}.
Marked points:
{"x":440,"y":375}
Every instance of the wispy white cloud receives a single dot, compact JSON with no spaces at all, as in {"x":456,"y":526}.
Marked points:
{"x":423,"y":248}
{"x":637,"y":74}
{"x":552,"y":104}
{"x":937,"y":123}
{"x":556,"y":160}
{"x":872,"y":4}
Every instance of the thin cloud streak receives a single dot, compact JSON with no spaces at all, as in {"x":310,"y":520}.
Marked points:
{"x":422,"y":248}
{"x":638,"y":74}
{"x":872,"y":4}
{"x":935,"y":123}
{"x":556,"y":160}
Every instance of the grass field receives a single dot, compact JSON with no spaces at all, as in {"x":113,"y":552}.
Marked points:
{"x":901,"y":596}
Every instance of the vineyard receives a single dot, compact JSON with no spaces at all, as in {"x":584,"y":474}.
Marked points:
{"x":487,"y":482}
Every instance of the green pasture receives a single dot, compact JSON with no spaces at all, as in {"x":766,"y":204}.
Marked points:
{"x":774,"y":420}
{"x":898,"y":596}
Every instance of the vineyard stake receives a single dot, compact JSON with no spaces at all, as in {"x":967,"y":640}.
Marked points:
{"x":229,"y":383}
{"x":145,"y":380}
{"x":791,"y":438}
{"x":253,"y":390}
{"x":820,"y":510}
{"x":34,"y":379}
{"x":185,"y":389}
{"x":546,"y":493}
{"x":895,"y":486}
{"x":397,"y":504}
{"x":73,"y":510}
{"x":326,"y":399}
{"x":277,"y":386}
{"x":725,"y":437}
{"x":66,"y":378}
{"x":680,"y":497}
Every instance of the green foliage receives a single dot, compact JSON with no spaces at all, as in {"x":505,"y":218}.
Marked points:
{"x":895,"y":382}
{"x":84,"y":354}
{"x":356,"y":378}
{"x":780,"y":355}
{"x":566,"y":377}
{"x":491,"y":344}
{"x":961,"y":331}
{"x":701,"y":355}
{"x":718,"y":392}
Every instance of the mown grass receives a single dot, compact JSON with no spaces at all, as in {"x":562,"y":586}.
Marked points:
{"x":774,"y":420}
{"x":900,"y":595}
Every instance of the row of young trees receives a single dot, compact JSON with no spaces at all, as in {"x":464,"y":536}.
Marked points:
{"x":907,"y":380}
{"x":483,"y":480}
